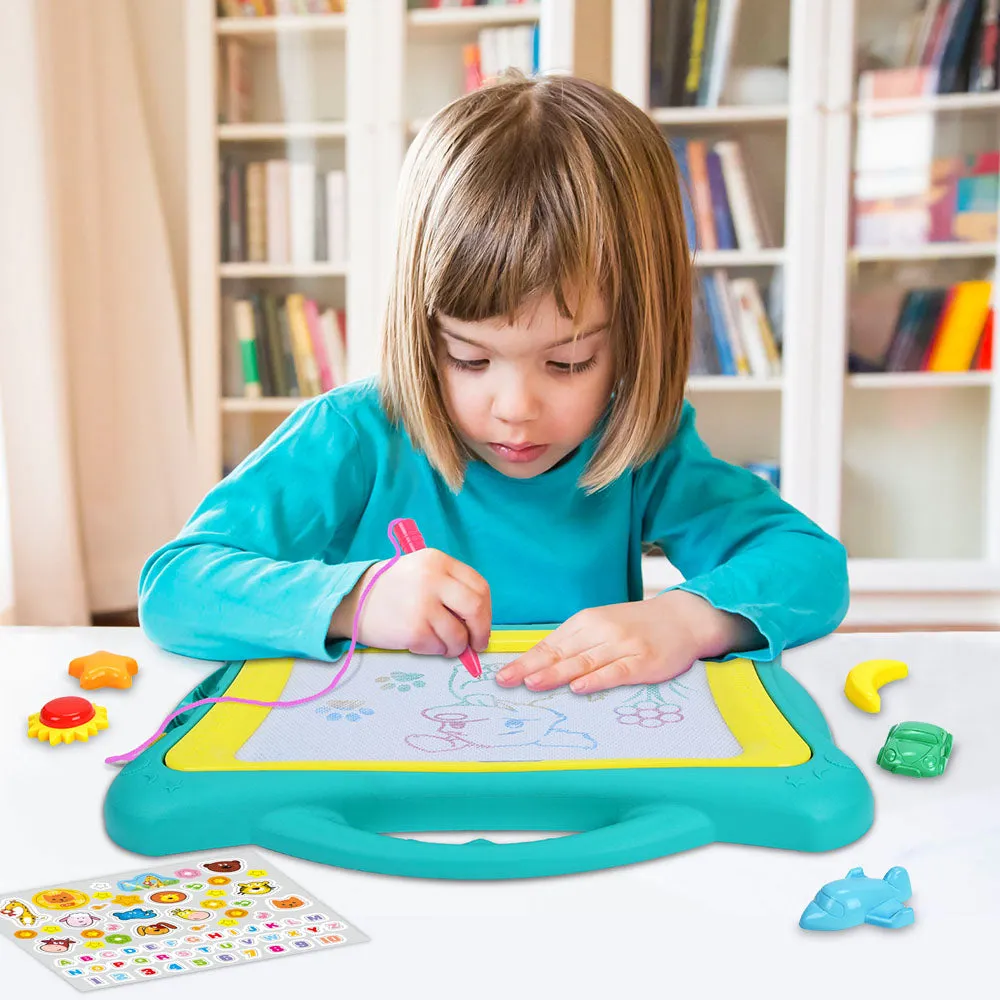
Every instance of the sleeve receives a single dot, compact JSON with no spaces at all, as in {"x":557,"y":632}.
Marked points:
{"x":246,"y":578}
{"x":740,"y":546}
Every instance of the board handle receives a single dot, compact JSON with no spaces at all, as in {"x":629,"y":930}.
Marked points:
{"x":644,"y":833}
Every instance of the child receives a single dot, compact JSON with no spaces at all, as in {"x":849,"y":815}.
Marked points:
{"x":529,"y":416}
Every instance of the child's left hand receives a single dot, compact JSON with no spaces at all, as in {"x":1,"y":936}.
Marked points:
{"x":642,"y":642}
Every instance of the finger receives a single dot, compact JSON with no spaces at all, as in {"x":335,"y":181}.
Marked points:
{"x":558,"y":645}
{"x":621,"y":670}
{"x":583,"y":663}
{"x":467,"y":575}
{"x":451,"y":631}
{"x":472,"y":606}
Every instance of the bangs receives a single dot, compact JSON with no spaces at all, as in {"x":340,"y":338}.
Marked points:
{"x":516,"y":219}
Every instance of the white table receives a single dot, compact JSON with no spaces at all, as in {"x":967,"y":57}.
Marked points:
{"x":720,"y":921}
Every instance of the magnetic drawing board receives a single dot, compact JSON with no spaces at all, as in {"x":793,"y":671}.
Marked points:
{"x":729,"y":751}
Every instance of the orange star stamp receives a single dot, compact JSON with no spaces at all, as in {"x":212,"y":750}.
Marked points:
{"x":103,"y":669}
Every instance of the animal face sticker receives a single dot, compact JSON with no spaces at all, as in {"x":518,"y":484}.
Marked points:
{"x":162,"y":927}
{"x":56,"y":946}
{"x":82,"y":919}
{"x":183,"y":914}
{"x":223,"y":866}
{"x":258,"y":888}
{"x":20,"y":913}
{"x":288,"y":903}
{"x":60,"y":899}
{"x":169,"y":896}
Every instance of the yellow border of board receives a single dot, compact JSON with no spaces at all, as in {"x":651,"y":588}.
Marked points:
{"x":766,"y":736}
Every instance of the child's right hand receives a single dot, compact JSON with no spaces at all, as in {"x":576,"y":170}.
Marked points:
{"x":412,"y":604}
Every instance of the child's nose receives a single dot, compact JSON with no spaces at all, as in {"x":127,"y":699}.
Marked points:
{"x":515,"y":402}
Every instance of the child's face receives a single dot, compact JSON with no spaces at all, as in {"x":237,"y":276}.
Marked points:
{"x":524,"y":396}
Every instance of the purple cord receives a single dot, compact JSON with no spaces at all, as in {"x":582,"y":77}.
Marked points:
{"x":132,"y":754}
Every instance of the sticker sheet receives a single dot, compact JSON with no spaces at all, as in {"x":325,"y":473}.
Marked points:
{"x":188,"y":914}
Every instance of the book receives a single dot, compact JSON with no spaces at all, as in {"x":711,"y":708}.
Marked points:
{"x":247,"y":335}
{"x":721,"y":215}
{"x":984,"y":352}
{"x":711,"y":26}
{"x":326,"y":381}
{"x":265,"y":370}
{"x":722,"y":48}
{"x":678,"y":146}
{"x":256,"y":212}
{"x":278,"y":235}
{"x":288,"y":356}
{"x":976,"y":200}
{"x":748,"y":233}
{"x":302,"y":210}
{"x":984,"y":76}
{"x":696,"y":53}
{"x":238,"y":100}
{"x":236,"y":236}
{"x":336,"y":216}
{"x":957,"y":337}
{"x":731,"y":321}
{"x":306,"y":368}
{"x":671,"y":23}
{"x":717,"y":324}
{"x":701,"y":195}
{"x":755,"y":327}
{"x":918,"y":320}
{"x":336,"y":348}
{"x":232,"y":361}
{"x":275,"y":352}
{"x":956,"y":55}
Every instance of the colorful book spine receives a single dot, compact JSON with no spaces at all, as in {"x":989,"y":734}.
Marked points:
{"x":731,"y":322}
{"x":256,"y":212}
{"x":701,"y":195}
{"x":961,"y":328}
{"x":679,"y":148}
{"x":721,"y":215}
{"x":696,"y":52}
{"x":246,"y":334}
{"x":305,"y":360}
{"x":326,"y":380}
{"x":717,"y":322}
{"x":748,"y":234}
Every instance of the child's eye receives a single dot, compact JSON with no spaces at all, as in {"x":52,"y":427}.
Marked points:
{"x":478,"y":365}
{"x":571,"y":368}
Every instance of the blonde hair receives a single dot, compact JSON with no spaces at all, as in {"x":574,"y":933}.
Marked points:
{"x":530,"y":187}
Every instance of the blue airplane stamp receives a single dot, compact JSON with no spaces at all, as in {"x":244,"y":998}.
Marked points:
{"x":858,"y":899}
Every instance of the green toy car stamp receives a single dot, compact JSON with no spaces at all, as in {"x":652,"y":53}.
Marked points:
{"x":916,"y":749}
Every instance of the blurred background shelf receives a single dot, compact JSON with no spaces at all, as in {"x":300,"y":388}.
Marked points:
{"x":281,"y":131}
{"x":923,"y":251}
{"x":902,"y":465}
{"x":724,"y":115}
{"x":447,"y":22}
{"x":269,"y":28}
{"x":319,"y":269}
{"x":919,"y":380}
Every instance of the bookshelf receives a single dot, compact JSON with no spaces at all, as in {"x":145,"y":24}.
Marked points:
{"x":903,"y":466}
{"x":345,"y":92}
{"x":914,"y":478}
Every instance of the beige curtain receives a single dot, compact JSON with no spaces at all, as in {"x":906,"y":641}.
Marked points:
{"x":100,"y":457}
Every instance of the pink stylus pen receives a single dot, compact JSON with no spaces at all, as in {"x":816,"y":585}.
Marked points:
{"x":410,"y":540}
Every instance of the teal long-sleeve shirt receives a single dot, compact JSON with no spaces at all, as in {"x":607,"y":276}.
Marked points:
{"x":268,"y":555}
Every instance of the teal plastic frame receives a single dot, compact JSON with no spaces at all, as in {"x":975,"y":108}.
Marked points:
{"x":626,"y":815}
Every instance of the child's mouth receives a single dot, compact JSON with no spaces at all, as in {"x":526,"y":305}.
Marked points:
{"x":518,"y":452}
